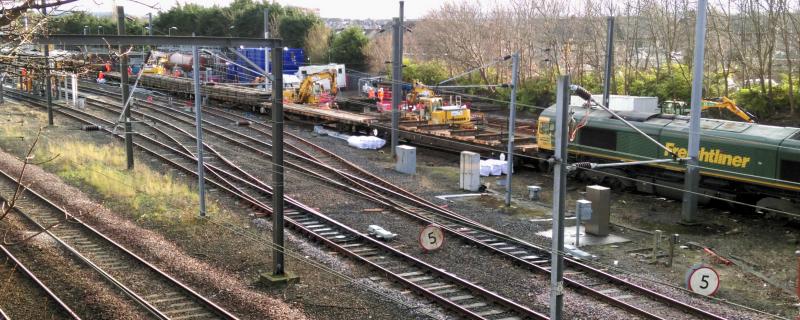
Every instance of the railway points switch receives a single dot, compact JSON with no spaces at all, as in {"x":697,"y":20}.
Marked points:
{"x":406,"y":159}
{"x":598,"y":223}
{"x":469,"y":173}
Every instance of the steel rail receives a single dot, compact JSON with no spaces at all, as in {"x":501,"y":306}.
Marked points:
{"x":573,"y":263}
{"x":357,"y":236}
{"x":454,"y":229}
{"x":38,"y":283}
{"x":396,"y":191}
{"x":193,"y":294}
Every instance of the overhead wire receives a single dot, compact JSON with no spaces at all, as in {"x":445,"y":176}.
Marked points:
{"x":488,"y":148}
{"x":633,"y":179}
{"x":592,"y":170}
{"x":271,"y":245}
{"x":640,"y":277}
{"x":648,"y":182}
{"x":630,"y":273}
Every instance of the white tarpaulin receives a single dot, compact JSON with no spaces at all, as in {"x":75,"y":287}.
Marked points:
{"x":361,"y":142}
{"x":366,"y":142}
{"x":493,"y":167}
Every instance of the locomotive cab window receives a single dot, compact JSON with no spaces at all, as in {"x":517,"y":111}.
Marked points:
{"x":600,"y":138}
{"x":790,"y":170}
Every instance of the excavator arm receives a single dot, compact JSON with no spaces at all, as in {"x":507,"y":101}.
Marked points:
{"x":306,"y":87}
{"x":730,"y":105}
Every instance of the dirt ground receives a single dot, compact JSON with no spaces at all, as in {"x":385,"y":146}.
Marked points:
{"x":762,"y":278}
{"x":224,"y":259}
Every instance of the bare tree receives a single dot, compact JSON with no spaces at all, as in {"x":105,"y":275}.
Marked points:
{"x":13,"y":236}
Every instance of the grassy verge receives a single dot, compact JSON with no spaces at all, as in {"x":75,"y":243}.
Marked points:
{"x":142,"y":193}
{"x":147,"y":195}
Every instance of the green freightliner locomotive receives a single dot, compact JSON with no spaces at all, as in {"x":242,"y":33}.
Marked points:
{"x":748,"y":162}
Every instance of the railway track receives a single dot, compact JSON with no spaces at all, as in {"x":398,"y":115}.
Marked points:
{"x":13,"y":268}
{"x":600,"y":284}
{"x":449,"y":291}
{"x":609,"y":288}
{"x":158,"y":293}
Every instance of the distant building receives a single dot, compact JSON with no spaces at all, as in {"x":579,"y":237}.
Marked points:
{"x":366,"y":24}
{"x":313,"y":11}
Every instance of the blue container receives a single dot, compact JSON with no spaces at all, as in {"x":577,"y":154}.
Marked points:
{"x":293,"y":58}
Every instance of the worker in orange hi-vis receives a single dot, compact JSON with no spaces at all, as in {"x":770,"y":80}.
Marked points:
{"x":108,"y":67}
{"x":371,"y":93}
{"x":22,"y":84}
{"x":380,"y":94}
{"x":101,"y":77}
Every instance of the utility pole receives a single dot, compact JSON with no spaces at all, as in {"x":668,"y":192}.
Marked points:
{"x":198,"y":121}
{"x":277,"y":164}
{"x":86,"y":48}
{"x":2,"y":84}
{"x":123,"y":74}
{"x":149,"y":23}
{"x":512,"y":118}
{"x":266,"y":56}
{"x":609,"y":61}
{"x":692,"y":177}
{"x":397,"y":78}
{"x":559,"y":199}
{"x":48,"y":85}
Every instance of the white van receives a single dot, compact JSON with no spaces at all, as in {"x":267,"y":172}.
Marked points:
{"x":341,"y":75}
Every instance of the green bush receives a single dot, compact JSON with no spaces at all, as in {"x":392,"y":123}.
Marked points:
{"x":427,"y":72}
{"x":754,"y":100}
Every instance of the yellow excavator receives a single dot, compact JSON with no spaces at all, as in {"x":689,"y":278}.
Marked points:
{"x":730,"y":105}
{"x":309,"y":91}
{"x":682,"y":108}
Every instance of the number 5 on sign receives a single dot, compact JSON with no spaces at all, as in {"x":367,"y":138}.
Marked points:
{"x":702,"y":279}
{"x":431,"y":238}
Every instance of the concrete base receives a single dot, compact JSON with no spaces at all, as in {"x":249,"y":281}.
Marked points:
{"x":271,"y":280}
{"x":586,"y":239}
{"x":689,"y":223}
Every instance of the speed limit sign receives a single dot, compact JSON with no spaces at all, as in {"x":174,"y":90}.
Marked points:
{"x":702,"y":279}
{"x":431,"y":237}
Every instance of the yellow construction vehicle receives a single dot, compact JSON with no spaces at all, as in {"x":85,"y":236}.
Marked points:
{"x":157,"y":67}
{"x":682,"y":108}
{"x":418,"y":91}
{"x":432,"y":108}
{"x":435,"y":112}
{"x":309,"y":91}
{"x":730,"y":105}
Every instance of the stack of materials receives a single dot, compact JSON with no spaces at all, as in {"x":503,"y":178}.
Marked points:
{"x":221,"y":92}
{"x":493,"y":167}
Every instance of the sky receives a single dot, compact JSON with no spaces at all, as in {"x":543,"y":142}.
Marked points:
{"x":356,"y":9}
